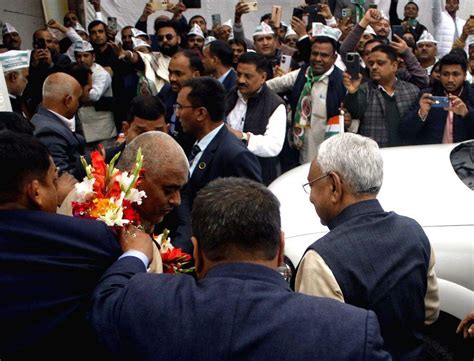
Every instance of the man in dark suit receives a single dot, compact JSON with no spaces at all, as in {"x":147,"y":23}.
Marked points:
{"x":239,"y":308}
{"x":373,"y":259}
{"x":55,"y":123}
{"x":430,"y":123}
{"x":217,"y":60}
{"x":49,"y":263}
{"x":217,"y":153}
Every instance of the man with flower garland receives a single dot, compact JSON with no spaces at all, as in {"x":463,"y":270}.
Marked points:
{"x":239,"y":308}
{"x":49,"y":263}
{"x":316,"y":93}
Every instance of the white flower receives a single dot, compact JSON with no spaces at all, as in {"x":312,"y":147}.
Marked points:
{"x":113,"y":217}
{"x":84,"y":190}
{"x":135,"y":196}
{"x":124,"y":180}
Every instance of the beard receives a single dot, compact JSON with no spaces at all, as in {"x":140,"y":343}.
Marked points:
{"x":170,"y":51}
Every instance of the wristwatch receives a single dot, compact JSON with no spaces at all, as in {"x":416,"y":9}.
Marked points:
{"x":245,"y":138}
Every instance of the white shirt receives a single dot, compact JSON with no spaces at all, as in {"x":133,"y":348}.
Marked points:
{"x":69,"y":123}
{"x":268,"y":144}
{"x":203,"y":143}
{"x":101,"y":83}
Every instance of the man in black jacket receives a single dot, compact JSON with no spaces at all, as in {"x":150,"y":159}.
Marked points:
{"x":430,"y":121}
{"x":256,"y":115}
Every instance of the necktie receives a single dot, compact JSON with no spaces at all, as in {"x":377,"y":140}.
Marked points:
{"x":194,"y":152}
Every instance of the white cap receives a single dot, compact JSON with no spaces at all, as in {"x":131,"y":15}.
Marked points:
{"x":209,"y":40}
{"x":263,"y":29}
{"x":319,"y":29}
{"x":197,"y":31}
{"x":137,"y":43}
{"x":8,"y":29}
{"x":384,"y":16}
{"x":136,"y":33}
{"x":82,"y":46}
{"x":426,"y":37}
{"x":290,"y":32}
{"x":370,"y":30}
{"x":79,"y":27}
{"x":470,"y":40}
{"x":15,"y":59}
{"x":228,"y":23}
{"x":283,"y":24}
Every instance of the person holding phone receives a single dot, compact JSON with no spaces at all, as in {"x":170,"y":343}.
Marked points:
{"x":410,"y":18}
{"x":429,"y":122}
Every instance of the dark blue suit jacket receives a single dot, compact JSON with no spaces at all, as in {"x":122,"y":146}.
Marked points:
{"x":64,"y":146}
{"x":230,"y":81}
{"x":431,"y":130}
{"x":239,"y":311}
{"x":225,"y":156}
{"x":49,"y":266}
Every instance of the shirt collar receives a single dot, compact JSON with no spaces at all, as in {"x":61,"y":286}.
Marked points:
{"x":222,"y":78}
{"x":69,"y":123}
{"x":204,"y":142}
{"x":380,"y":87}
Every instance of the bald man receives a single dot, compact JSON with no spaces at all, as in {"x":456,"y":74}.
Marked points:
{"x":55,"y":123}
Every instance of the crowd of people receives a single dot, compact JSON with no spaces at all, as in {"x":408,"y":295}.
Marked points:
{"x":217,"y":116}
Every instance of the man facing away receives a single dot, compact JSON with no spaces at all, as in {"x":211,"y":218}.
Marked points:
{"x":49,"y":263}
{"x":239,"y":307}
{"x":372,"y":259}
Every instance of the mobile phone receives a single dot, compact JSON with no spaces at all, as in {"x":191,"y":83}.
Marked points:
{"x":192,"y":4}
{"x":276,"y":15}
{"x":285,"y":63}
{"x":397,"y":30}
{"x":440,"y":102}
{"x":346,"y":12}
{"x":40,"y":44}
{"x":373,"y":6}
{"x":216,"y":20}
{"x":157,"y":5}
{"x":353,"y":65}
{"x":112,"y":23}
{"x":298,"y":13}
{"x":253,"y":5}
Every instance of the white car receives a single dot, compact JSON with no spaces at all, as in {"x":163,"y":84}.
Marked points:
{"x":419,"y":182}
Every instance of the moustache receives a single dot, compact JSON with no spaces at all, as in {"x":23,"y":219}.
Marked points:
{"x":240,"y":85}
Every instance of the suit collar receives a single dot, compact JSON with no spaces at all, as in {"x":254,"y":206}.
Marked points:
{"x":247,"y":272}
{"x":208,"y":155}
{"x":355,"y":210}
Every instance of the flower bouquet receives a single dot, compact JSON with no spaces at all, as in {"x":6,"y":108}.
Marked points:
{"x":173,"y":258}
{"x":108,"y":194}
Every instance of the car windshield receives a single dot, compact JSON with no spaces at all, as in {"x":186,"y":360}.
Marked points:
{"x":462,"y":160}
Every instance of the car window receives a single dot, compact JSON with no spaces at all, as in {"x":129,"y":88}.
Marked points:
{"x":462,"y":160}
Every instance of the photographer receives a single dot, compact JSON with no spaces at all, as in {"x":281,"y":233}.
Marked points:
{"x":430,"y":121}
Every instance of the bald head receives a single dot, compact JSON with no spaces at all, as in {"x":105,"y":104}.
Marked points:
{"x":166,"y":172}
{"x":158,"y":149}
{"x":61,"y":93}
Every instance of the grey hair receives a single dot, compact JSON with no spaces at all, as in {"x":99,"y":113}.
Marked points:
{"x":355,"y":158}
{"x":158,"y":149}
{"x":57,"y":85}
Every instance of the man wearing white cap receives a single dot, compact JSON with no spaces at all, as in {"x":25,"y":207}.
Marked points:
{"x":266,"y":44}
{"x":98,"y":125}
{"x":426,"y":50}
{"x":447,"y":26}
{"x":382,"y":27}
{"x":195,"y":38}
{"x":15,"y":65}
{"x":11,"y":38}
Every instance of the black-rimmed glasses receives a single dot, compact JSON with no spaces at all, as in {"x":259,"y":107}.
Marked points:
{"x":177,"y":107}
{"x":168,"y":37}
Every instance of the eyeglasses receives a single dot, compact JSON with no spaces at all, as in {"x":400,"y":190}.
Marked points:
{"x":168,"y":37}
{"x":177,"y":107}
{"x":307,"y":186}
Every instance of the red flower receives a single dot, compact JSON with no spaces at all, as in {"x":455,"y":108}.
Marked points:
{"x":98,"y":161}
{"x":113,"y":190}
{"x":130,"y":213}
